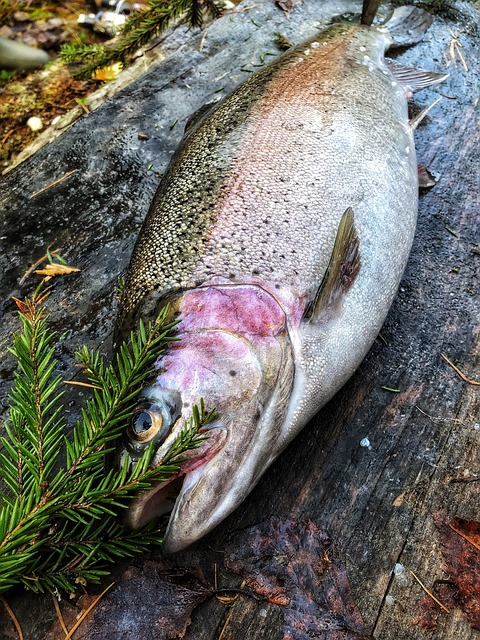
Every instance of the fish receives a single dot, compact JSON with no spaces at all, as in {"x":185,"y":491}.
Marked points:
{"x":277,"y":238}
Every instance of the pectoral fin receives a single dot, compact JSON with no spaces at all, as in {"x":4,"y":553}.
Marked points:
{"x":425,"y":178}
{"x":340,"y":274}
{"x":414,"y":79}
{"x":414,"y":122}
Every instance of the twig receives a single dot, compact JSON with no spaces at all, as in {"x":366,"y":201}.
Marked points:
{"x":64,"y":177}
{"x":225,"y":625}
{"x":465,"y":537}
{"x":86,"y":612}
{"x":454,"y":49}
{"x":240,"y":9}
{"x":59,"y":615}
{"x":38,"y":262}
{"x":460,"y":373}
{"x":429,"y":593}
{"x":426,"y":414}
{"x":6,"y":136}
{"x":438,"y":419}
{"x":13,"y":617}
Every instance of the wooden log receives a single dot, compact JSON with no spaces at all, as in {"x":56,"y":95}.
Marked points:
{"x":374,"y":502}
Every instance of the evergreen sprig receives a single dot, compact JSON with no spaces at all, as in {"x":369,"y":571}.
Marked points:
{"x":59,"y":525}
{"x":138,"y":30}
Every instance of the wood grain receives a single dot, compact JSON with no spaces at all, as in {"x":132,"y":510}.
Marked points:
{"x":375,"y":503}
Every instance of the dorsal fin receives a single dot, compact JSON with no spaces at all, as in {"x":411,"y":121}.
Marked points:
{"x":340,"y":274}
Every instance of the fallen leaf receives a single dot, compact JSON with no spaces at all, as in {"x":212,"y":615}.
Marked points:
{"x":462,"y":560}
{"x":110,"y":72}
{"x":285,"y":5}
{"x":399,"y":500}
{"x":153,"y":602}
{"x":56,"y":269}
{"x":293,"y":563}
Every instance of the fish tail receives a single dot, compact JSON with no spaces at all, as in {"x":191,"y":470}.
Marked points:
{"x":369,"y":11}
{"x":407,"y":25}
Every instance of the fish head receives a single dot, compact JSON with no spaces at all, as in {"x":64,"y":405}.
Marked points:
{"x":234,"y":353}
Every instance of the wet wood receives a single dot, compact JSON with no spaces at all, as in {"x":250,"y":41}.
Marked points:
{"x":376,"y":501}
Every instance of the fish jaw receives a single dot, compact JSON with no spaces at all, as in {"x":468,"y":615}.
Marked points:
{"x":215,"y":489}
{"x":159,"y":500}
{"x":235,"y":353}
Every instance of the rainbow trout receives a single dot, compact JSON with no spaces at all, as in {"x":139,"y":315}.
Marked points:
{"x":278,"y":236}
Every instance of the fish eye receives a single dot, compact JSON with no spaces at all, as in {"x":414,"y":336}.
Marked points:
{"x":147,"y":422}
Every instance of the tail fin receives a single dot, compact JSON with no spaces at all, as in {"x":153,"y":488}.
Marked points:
{"x":369,"y":11}
{"x":407,"y":25}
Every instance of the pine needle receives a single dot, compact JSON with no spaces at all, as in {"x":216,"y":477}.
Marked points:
{"x":460,"y":373}
{"x":51,"y":184}
{"x":59,"y":615}
{"x":87,"y":611}
{"x":442,"y":606}
{"x":16,"y":624}
{"x":465,"y":537}
{"x":227,"y":621}
{"x":81,"y":384}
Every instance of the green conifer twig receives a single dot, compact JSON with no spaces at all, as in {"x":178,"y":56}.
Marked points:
{"x":60,"y":526}
{"x":137,"y":31}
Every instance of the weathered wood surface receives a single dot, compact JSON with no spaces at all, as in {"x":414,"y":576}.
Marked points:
{"x":375,"y":503}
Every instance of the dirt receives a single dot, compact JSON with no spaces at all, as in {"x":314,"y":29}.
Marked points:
{"x":46,"y":92}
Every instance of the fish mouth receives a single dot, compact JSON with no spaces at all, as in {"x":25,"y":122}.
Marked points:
{"x":163,"y":497}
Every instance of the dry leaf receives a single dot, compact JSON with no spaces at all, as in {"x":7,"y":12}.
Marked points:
{"x":56,"y":269}
{"x":463,"y":561}
{"x":399,"y":500}
{"x":460,"y":540}
{"x":107,"y":73}
{"x":151,"y":602}
{"x":292,"y":563}
{"x":285,"y":5}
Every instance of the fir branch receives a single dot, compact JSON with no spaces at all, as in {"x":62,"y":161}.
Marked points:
{"x":75,"y":52}
{"x":106,"y":414}
{"x":34,"y":395}
{"x":138,"y":30}
{"x":59,"y":528}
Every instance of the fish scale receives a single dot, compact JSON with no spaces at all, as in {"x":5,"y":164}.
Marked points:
{"x":295,"y":197}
